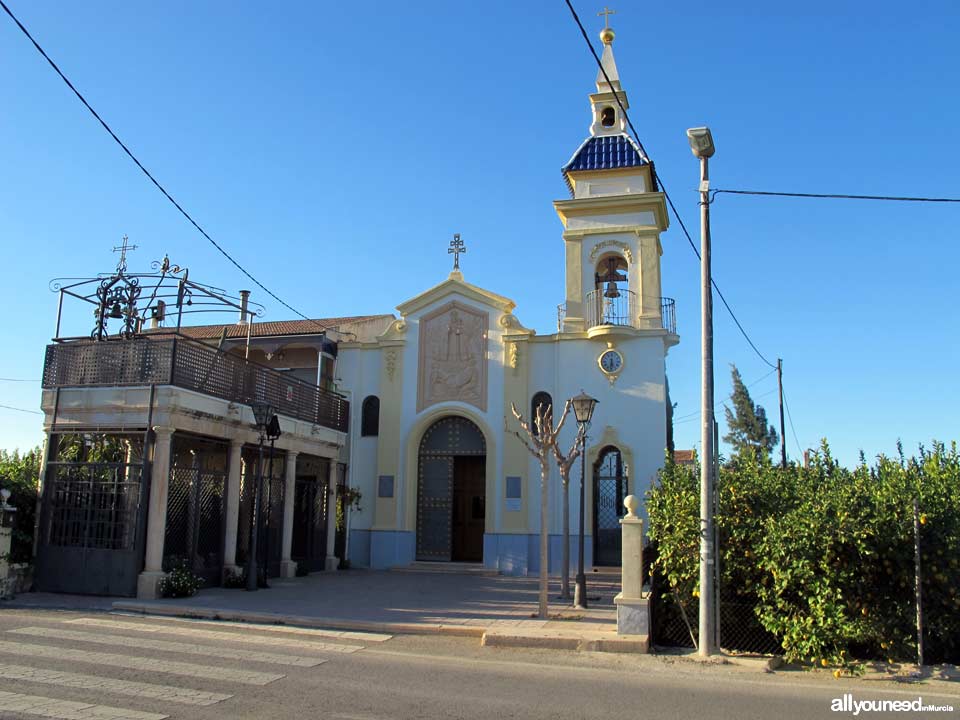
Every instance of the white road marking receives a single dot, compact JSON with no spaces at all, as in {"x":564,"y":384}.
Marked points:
{"x":167,"y":646}
{"x":210,"y":672}
{"x":214,"y":635}
{"x":370,"y":637}
{"x":121,"y":687}
{"x":68,"y":709}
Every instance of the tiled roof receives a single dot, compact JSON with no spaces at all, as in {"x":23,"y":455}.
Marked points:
{"x":605,"y":152}
{"x":272,"y":329}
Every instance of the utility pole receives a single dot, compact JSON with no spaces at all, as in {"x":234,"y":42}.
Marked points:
{"x":701,"y":143}
{"x":783,"y":432}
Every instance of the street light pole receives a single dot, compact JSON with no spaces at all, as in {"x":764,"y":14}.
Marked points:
{"x":583,"y":406}
{"x":262,"y":414}
{"x":254,"y":524}
{"x":701,"y":143}
{"x":580,"y":588}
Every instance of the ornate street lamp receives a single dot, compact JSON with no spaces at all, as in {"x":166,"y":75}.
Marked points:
{"x":273,"y":432}
{"x":262,"y":412}
{"x":583,"y":406}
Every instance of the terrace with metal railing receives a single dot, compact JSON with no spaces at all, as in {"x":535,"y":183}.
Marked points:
{"x":181,"y":362}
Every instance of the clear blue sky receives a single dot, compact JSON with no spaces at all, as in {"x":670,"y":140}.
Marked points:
{"x":334,"y":150}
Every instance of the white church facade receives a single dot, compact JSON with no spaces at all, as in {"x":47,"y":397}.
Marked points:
{"x":442,"y":474}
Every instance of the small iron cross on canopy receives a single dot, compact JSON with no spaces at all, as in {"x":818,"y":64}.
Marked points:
{"x":456,"y":247}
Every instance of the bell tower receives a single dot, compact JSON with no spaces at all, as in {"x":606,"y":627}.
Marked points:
{"x":612,"y":222}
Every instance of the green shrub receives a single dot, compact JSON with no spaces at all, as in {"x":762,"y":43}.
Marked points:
{"x":825,"y":554}
{"x":20,"y":475}
{"x":180,"y":582}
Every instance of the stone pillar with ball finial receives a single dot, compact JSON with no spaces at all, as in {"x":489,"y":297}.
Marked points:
{"x":633,"y":612}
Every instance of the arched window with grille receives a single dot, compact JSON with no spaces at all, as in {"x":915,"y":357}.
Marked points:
{"x":370,"y":416}
{"x":540,"y":398}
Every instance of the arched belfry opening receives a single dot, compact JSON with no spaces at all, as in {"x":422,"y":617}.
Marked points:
{"x":612,"y":302}
{"x":451,"y":492}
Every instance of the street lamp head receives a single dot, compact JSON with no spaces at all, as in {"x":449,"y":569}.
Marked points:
{"x":273,"y":428}
{"x":701,"y":142}
{"x":583,"y":406}
{"x":261,"y":412}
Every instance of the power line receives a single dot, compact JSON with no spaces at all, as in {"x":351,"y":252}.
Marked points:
{"x":792,"y":429}
{"x":18,"y":380}
{"x":684,"y":418}
{"x":23,"y":410}
{"x":695,"y":416}
{"x":147,"y":172}
{"x":891,"y":198}
{"x":659,"y":181}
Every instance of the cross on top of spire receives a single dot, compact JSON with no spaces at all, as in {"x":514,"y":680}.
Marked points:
{"x":456,"y":247}
{"x":606,"y":12}
{"x":122,"y":249}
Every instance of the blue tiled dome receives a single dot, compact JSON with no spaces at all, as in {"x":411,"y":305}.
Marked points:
{"x":605,"y":153}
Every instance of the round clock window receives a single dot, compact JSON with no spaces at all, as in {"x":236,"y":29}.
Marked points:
{"x":611,"y":361}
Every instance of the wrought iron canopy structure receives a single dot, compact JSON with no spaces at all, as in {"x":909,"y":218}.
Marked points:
{"x":134,"y":299}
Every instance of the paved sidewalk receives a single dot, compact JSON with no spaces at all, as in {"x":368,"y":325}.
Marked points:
{"x":502,"y":608}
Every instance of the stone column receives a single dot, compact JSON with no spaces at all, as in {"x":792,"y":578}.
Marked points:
{"x":234,"y":472}
{"x":633,"y":616}
{"x":288,"y":568}
{"x":331,"y":562}
{"x":156,"y":514}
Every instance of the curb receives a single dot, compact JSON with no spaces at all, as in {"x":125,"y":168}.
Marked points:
{"x":270,"y":618}
{"x":593,"y":642}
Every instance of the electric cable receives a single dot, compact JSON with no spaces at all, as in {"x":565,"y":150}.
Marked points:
{"x":23,"y":410}
{"x":835,"y":196}
{"x":148,"y":174}
{"x":792,"y":428}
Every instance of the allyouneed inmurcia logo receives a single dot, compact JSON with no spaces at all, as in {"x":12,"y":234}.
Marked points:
{"x":855,"y":707}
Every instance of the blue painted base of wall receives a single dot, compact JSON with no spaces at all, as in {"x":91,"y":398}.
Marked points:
{"x":511,"y":554}
{"x":359,"y":550}
{"x":391,"y":548}
{"x":520,"y":554}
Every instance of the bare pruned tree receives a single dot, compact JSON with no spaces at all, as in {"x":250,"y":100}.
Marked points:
{"x":564,"y":464}
{"x":540,"y":440}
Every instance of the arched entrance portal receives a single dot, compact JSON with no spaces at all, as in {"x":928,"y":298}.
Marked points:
{"x":451,"y":492}
{"x":609,"y":490}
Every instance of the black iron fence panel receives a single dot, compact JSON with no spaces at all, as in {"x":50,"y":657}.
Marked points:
{"x":195,"y":522}
{"x":93,"y":505}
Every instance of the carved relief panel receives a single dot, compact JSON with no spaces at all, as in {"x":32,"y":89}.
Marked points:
{"x":453,"y":357}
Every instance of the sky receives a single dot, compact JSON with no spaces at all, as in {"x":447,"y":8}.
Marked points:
{"x":334,"y":150}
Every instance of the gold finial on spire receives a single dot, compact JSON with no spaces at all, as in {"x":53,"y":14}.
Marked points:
{"x":607,"y":34}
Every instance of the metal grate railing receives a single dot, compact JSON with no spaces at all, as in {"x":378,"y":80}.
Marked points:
{"x":193,"y":366}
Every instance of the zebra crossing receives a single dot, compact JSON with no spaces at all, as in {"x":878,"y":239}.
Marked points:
{"x":100,"y":650}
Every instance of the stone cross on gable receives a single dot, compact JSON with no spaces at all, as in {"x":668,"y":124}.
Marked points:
{"x":606,"y":12}
{"x":456,"y":247}
{"x":122,"y":249}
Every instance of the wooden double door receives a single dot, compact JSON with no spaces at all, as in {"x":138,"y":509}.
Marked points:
{"x":451,"y":494}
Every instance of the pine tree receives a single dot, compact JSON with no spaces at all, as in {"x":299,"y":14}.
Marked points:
{"x":747,"y":423}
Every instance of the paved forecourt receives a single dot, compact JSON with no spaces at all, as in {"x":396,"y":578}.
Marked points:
{"x":123,"y":668}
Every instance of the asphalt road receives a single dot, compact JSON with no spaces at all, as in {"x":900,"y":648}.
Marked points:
{"x":75,"y":665}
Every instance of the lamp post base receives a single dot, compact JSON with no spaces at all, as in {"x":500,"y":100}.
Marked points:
{"x":580,"y":592}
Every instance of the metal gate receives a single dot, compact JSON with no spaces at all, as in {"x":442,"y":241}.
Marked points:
{"x":309,"y":547}
{"x":444,"y":440}
{"x":91,"y":539}
{"x":195,"y":522}
{"x":270,"y":535}
{"x":609,"y":490}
